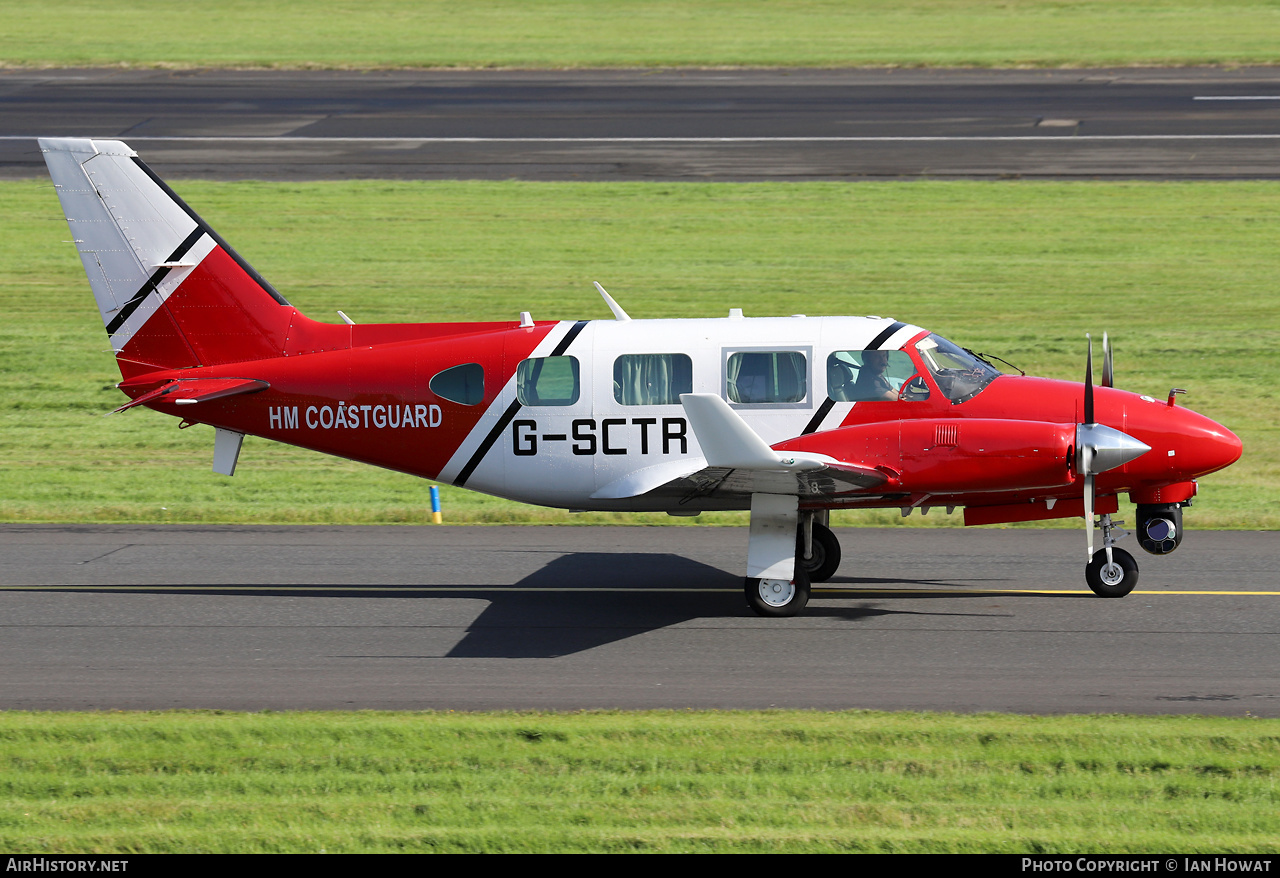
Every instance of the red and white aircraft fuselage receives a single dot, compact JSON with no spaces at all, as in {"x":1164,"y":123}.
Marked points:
{"x":789,"y":417}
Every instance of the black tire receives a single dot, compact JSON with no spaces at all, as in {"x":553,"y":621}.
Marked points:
{"x":1111,"y":583}
{"x":826,"y":553}
{"x":775,"y":598}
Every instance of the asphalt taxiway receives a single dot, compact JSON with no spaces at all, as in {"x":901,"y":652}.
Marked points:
{"x":125,"y":617}
{"x":659,"y":124}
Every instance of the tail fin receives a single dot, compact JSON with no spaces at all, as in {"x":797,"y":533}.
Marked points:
{"x":172,"y":293}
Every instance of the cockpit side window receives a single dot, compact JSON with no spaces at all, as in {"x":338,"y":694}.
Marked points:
{"x":959,"y":374}
{"x":864,"y":376}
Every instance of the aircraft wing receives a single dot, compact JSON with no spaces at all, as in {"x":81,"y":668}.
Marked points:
{"x":824,"y":482}
{"x":736,"y":461}
{"x":694,"y":477}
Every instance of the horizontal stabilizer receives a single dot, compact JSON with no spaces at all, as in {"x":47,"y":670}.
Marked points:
{"x":189,"y":391}
{"x":147,"y":397}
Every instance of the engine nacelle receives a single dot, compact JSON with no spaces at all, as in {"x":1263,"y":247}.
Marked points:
{"x":954,"y":455}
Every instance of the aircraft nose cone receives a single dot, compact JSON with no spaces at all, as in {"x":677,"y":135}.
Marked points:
{"x":1217,"y":449}
{"x":1201,"y":446}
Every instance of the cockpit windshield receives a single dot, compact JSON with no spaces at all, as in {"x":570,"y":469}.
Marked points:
{"x":959,"y":374}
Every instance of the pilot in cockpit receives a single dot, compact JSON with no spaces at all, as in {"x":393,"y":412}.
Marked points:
{"x":872,"y":383}
{"x":871,"y":376}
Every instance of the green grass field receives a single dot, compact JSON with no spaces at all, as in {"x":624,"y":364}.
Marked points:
{"x":1181,"y":275}
{"x":637,"y":33}
{"x":664,"y":782}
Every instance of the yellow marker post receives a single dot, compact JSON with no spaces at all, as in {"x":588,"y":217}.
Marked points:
{"x":436,"y":517}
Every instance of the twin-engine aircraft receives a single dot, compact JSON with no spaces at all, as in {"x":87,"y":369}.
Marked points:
{"x":789,"y":417}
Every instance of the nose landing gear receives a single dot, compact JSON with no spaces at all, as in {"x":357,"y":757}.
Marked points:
{"x":1112,"y":572}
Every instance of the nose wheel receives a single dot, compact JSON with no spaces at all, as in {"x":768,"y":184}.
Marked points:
{"x":1112,"y":577}
{"x":1111,"y":572}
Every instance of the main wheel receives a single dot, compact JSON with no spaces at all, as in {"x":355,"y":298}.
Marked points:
{"x":822,"y":565}
{"x":778,"y":597}
{"x":1113,"y":580}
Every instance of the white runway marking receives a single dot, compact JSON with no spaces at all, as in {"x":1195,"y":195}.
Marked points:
{"x":1237,"y":98}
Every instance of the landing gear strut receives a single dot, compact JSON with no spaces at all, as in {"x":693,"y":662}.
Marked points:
{"x":1112,"y":573}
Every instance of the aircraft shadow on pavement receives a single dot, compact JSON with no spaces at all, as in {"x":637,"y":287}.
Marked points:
{"x":564,"y":607}
{"x":580,"y":601}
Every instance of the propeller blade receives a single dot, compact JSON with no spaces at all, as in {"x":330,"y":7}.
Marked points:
{"x":1085,"y":449}
{"x":1088,"y":383}
{"x":1108,"y":371}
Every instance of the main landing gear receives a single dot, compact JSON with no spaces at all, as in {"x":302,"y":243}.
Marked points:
{"x":784,"y":566}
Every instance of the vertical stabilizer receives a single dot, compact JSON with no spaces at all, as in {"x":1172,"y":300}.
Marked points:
{"x":171,"y":292}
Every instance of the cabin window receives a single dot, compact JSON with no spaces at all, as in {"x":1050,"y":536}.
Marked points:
{"x":462,"y":384}
{"x":864,"y":376}
{"x":767,"y":377}
{"x":548,"y":381}
{"x":652,"y":379}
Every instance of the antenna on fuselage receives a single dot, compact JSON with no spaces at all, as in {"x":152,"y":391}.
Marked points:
{"x":613,"y":306}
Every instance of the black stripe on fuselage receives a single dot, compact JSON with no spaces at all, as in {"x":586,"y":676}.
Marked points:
{"x":568,"y":338}
{"x":816,"y":421}
{"x":510,"y":413}
{"x":884,"y":336}
{"x":153,"y":282}
{"x":487,"y":443}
